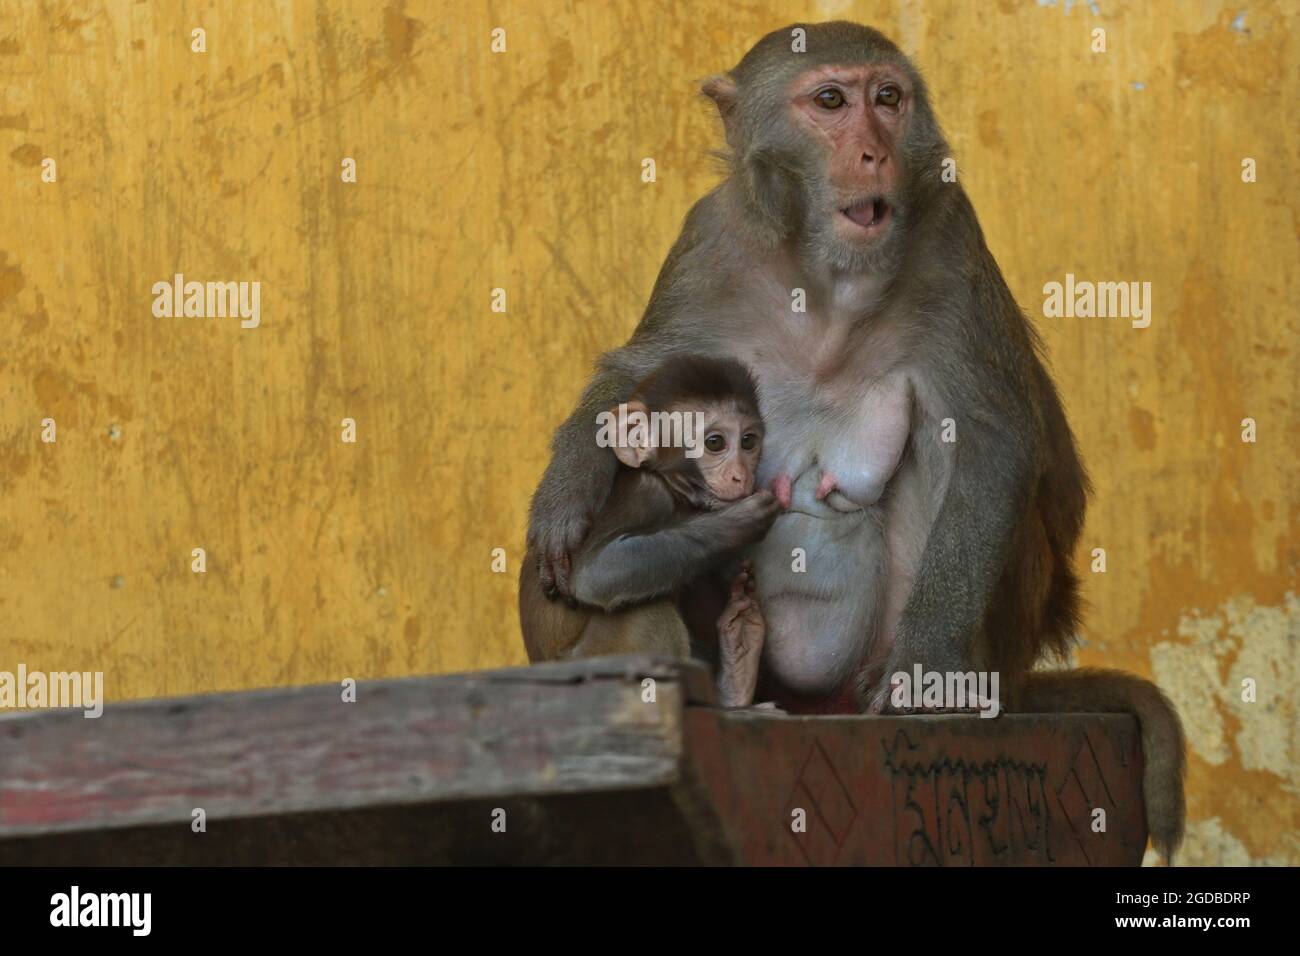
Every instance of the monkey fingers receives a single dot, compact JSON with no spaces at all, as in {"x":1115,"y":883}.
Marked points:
{"x":555,"y":570}
{"x":729,"y":621}
{"x":556,"y":565}
{"x":548,"y":577}
{"x":741,"y":585}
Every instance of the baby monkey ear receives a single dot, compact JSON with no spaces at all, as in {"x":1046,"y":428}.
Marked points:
{"x":633,"y":445}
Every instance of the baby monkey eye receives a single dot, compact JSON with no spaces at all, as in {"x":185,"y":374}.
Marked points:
{"x":829,"y":99}
{"x":889,"y":95}
{"x":749,"y":441}
{"x":715,"y":443}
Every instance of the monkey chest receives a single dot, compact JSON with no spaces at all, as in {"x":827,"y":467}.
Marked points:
{"x":838,"y":446}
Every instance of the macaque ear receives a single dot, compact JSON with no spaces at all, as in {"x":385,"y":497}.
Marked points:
{"x":722,"y":90}
{"x":637,"y":451}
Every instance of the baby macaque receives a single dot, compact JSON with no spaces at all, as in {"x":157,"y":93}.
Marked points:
{"x":682,"y":504}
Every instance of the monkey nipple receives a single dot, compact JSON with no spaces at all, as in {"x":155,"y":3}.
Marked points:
{"x":825,"y":486}
{"x":781,"y":487}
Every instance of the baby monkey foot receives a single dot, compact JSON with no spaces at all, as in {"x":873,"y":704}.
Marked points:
{"x":741,"y":630}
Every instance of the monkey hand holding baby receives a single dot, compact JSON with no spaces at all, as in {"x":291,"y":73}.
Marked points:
{"x":915,"y":438}
{"x":674,"y":514}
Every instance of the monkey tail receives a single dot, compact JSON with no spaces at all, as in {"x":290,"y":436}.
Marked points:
{"x":1095,"y":690}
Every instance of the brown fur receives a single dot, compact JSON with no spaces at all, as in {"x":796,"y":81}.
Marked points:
{"x":989,"y":576}
{"x":1093,"y":690}
{"x":665,"y":509}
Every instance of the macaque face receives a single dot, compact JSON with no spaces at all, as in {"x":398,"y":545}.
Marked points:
{"x":729,"y":442}
{"x":858,"y":113}
{"x":733,"y":442}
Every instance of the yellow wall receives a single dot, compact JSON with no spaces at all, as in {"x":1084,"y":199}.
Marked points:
{"x":522,"y":170}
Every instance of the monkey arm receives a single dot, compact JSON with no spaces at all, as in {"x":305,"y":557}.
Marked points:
{"x":577,"y":481}
{"x":968,"y":548}
{"x":634,"y":568}
{"x":578,"y":478}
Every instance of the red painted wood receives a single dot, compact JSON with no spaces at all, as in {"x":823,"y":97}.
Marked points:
{"x":923,"y":790}
{"x":587,"y":763}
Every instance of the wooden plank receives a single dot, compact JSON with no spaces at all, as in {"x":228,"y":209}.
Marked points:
{"x":924,"y":790}
{"x":609,"y":828}
{"x":694,"y":677}
{"x":547,"y":730}
{"x":585,"y":763}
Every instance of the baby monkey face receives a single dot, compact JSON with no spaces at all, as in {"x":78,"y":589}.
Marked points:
{"x":732,"y":442}
{"x":694,"y":422}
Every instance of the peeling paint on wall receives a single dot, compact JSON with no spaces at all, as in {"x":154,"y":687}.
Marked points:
{"x":1241,"y":641}
{"x":1252,"y":744}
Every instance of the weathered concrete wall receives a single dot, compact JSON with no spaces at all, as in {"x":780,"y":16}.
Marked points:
{"x":522,"y":171}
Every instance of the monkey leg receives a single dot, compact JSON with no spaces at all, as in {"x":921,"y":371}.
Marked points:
{"x":741,"y":630}
{"x":654,"y":628}
{"x":550,"y":628}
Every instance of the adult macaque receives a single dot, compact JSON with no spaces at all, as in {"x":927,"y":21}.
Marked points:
{"x":913,"y":433}
{"x":675,"y":514}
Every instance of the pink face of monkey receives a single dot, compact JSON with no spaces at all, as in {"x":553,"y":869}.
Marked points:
{"x":733,"y":442}
{"x":730,"y":445}
{"x":858,"y":113}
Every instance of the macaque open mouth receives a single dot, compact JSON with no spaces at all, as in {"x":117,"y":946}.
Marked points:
{"x":868,"y":213}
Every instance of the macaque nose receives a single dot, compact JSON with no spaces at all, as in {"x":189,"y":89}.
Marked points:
{"x":874,"y":157}
{"x":739,"y":480}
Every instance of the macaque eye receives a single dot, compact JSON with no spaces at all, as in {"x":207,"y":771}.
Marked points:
{"x":715,"y":443}
{"x":829,"y":99}
{"x":889,"y":95}
{"x":749,"y":441}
